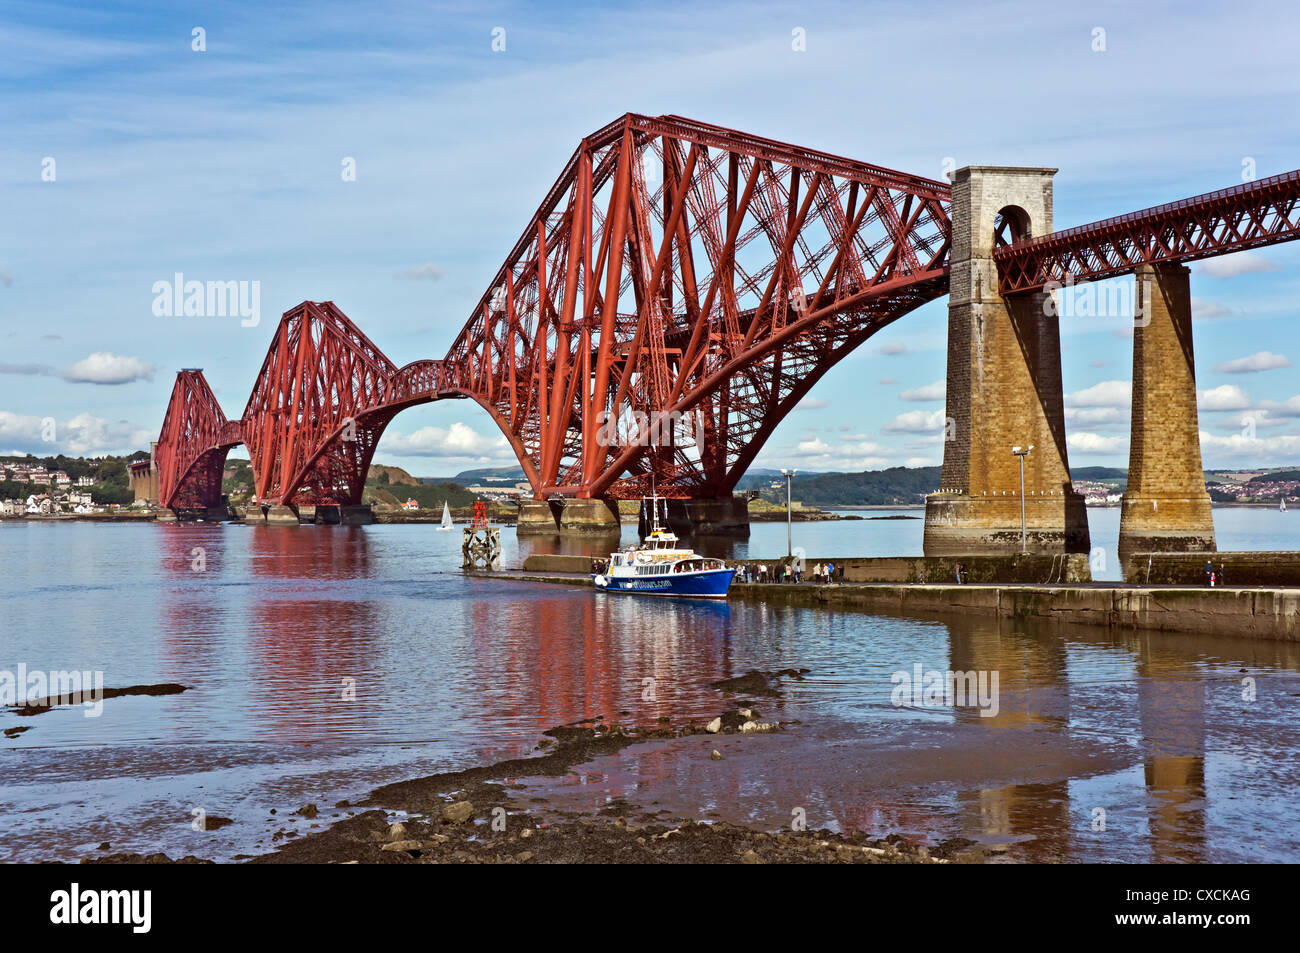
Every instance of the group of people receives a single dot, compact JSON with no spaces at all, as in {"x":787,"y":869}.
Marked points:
{"x":1214,"y":577}
{"x":789,"y":572}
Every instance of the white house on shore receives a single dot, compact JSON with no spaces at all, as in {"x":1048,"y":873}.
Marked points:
{"x":40,"y":505}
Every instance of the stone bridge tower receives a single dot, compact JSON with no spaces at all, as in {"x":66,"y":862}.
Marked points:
{"x":1166,"y":507}
{"x":1004,"y":384}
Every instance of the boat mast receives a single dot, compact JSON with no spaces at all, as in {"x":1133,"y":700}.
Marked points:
{"x":654,"y":504}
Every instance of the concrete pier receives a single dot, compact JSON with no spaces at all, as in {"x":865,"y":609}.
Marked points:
{"x":361,"y":515}
{"x":209,"y":514}
{"x":1004,"y":385}
{"x":271,"y":514}
{"x":1280,"y":569}
{"x":538,"y":518}
{"x":1270,"y":614}
{"x":589,"y":518}
{"x":1166,"y":507}
{"x":721,"y":516}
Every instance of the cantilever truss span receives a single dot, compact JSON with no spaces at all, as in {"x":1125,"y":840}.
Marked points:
{"x":679,"y":290}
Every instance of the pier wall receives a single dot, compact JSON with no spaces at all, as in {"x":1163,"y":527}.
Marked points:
{"x":1270,"y":614}
{"x":1030,"y":568}
{"x":1187,"y":569}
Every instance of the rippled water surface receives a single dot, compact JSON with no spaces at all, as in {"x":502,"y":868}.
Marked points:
{"x":326,"y":660}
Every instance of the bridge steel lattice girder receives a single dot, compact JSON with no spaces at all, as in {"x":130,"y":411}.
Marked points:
{"x":1245,"y":216}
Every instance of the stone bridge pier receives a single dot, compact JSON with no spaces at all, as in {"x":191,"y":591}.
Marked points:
{"x":1004,"y":385}
{"x":1166,"y":507}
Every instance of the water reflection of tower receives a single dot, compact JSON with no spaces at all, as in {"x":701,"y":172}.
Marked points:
{"x":1033,"y":696}
{"x":1171,"y":704}
{"x":197,"y":563}
{"x":311,"y":625}
{"x":574,"y":655}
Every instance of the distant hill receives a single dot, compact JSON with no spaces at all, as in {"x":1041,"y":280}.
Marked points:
{"x":481,"y":476}
{"x":430,"y":496}
{"x":1276,"y":476}
{"x":891,"y":487}
{"x":395,"y":476}
{"x":894,"y":486}
{"x":1098,"y":473}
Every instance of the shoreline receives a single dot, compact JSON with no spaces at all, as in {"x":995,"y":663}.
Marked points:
{"x":826,"y":514}
{"x":498,"y":813}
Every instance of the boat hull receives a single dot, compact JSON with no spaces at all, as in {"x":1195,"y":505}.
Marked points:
{"x":708,"y":584}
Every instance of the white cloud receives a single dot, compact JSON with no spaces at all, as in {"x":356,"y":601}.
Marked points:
{"x":82,"y":435}
{"x":1104,"y":394}
{"x":1203,"y":310}
{"x":816,"y":445}
{"x":893,"y":348}
{"x":1259,"y":361}
{"x":812,"y":403}
{"x":1238,"y":448}
{"x":935,"y":391}
{"x":1092,"y":443}
{"x":459,"y":440}
{"x":1287,"y":408}
{"x":917,"y":421}
{"x":814,"y":454}
{"x":1097,"y":416}
{"x":1224,"y":397}
{"x":1229,"y":266}
{"x":28,"y":369}
{"x":428,"y":271}
{"x":103,"y":367}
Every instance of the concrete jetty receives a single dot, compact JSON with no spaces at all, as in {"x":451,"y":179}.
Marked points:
{"x":1271,"y":614}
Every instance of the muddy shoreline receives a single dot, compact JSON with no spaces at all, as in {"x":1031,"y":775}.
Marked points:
{"x":498,"y":813}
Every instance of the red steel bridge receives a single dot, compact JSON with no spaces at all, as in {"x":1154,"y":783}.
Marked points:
{"x":679,"y":281}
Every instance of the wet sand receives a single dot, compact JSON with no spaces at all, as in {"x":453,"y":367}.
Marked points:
{"x":600,"y":793}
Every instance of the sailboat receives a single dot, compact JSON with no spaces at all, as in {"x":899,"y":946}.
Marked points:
{"x":1282,"y":506}
{"x":446,"y":517}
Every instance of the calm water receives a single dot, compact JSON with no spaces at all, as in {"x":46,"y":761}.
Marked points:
{"x":449,"y":671}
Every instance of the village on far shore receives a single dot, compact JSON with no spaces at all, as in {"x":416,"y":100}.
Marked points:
{"x":125,"y":487}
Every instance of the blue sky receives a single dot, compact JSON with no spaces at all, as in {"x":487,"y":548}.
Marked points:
{"x":225,"y":165}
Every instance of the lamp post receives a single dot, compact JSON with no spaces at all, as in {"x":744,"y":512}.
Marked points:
{"x":789,"y":547}
{"x":1022,"y":453}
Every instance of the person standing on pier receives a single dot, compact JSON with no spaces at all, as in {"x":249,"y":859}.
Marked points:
{"x":1208,"y":571}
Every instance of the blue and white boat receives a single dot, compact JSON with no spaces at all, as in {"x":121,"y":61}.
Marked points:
{"x":660,"y":567}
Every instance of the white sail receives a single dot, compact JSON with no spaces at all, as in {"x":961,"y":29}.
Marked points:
{"x":446,"y":516}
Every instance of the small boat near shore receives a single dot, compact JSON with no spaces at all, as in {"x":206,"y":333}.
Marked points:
{"x":446,"y":523}
{"x":661,"y":567}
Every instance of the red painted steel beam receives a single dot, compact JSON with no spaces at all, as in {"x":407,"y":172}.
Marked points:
{"x":1245,"y":216}
{"x":191,"y":449}
{"x":625,"y":297}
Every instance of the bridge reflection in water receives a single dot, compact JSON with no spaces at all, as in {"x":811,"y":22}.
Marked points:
{"x":464,"y":671}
